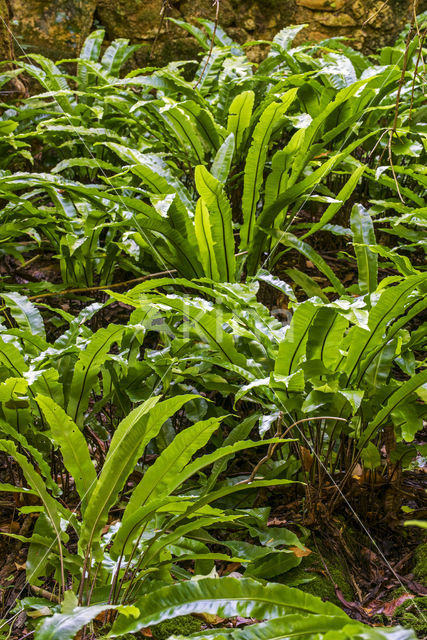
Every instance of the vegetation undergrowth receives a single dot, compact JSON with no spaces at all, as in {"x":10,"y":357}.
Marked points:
{"x":212,"y":365}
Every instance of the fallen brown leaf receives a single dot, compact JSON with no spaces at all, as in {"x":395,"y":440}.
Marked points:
{"x":9,"y":527}
{"x":209,"y":618}
{"x":300,"y":553}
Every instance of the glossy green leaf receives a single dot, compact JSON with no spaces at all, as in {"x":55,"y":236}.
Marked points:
{"x":270,"y":120}
{"x":87,"y":368}
{"x":220,"y":221}
{"x":127,"y":445}
{"x":73,"y":446}
{"x":225,"y":597}
{"x":363,"y":236}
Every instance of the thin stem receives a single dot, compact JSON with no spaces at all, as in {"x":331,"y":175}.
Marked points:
{"x":216,"y":3}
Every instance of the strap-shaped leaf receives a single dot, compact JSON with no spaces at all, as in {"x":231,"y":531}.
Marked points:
{"x":226,"y":597}
{"x":343,"y":195}
{"x":184,"y":131}
{"x":325,"y":335}
{"x":136,"y":517}
{"x":308,"y":627}
{"x":37,"y":484}
{"x":90,"y":50}
{"x":391,"y":304}
{"x":315,"y":130}
{"x":37,"y":456}
{"x":209,"y":130}
{"x":197,"y":33}
{"x":289,"y":240}
{"x":52,"y":79}
{"x":395,"y":327}
{"x":271,"y":118}
{"x":12,"y":359}
{"x":64,"y":626}
{"x":87,"y":369}
{"x":129,"y":440}
{"x":72,"y":443}
{"x":220,"y":219}
{"x":292,"y":347}
{"x":163,"y":477}
{"x":153,"y":170}
{"x":90,"y":163}
{"x":116,"y":55}
{"x":204,"y":240}
{"x":293,"y":191}
{"x":239,"y":115}
{"x":395,"y":399}
{"x":222,"y":163}
{"x":284,"y":38}
{"x":367,"y":261}
{"x":179,"y":253}
{"x":208,"y":323}
{"x":281,"y":165}
{"x":154,"y":551}
{"x":25,"y":313}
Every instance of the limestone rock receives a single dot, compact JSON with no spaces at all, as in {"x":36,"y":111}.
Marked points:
{"x":130,"y":18}
{"x":249,"y":24}
{"x":322,"y":5}
{"x":358,"y":9}
{"x":56,"y":28}
{"x":380,"y":17}
{"x":336,"y":20}
{"x":6,"y":49}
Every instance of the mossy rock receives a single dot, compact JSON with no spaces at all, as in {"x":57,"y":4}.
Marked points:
{"x":412,"y":614}
{"x":420,"y":568}
{"x":182,"y":625}
{"x":321,"y":585}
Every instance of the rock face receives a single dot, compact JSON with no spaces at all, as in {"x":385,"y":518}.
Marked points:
{"x":55,"y":28}
{"x":58,"y":27}
{"x":14,"y":87}
{"x":6,"y":47}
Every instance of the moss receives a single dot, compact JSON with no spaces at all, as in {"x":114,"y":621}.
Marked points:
{"x":183,"y":625}
{"x":321,"y":586}
{"x":412,"y":614}
{"x":127,"y":636}
{"x":420,"y":568}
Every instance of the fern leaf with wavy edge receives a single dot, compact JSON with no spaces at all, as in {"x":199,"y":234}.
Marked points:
{"x":226,"y":597}
{"x":220,"y":222}
{"x":239,"y":116}
{"x":127,"y":445}
{"x":72,"y":443}
{"x":269,"y":121}
{"x":86,"y":370}
{"x":205,"y":241}
{"x":367,"y":261}
{"x":221,"y":166}
{"x":90,"y":50}
{"x":158,"y":484}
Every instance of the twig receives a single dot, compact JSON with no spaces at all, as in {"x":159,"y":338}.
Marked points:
{"x":417,"y":64}
{"x":216,"y":3}
{"x":105,"y":286}
{"x":45,"y":594}
{"x":370,"y":18}
{"x":165,"y":6}
{"x":390,"y":159}
{"x":412,"y":28}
